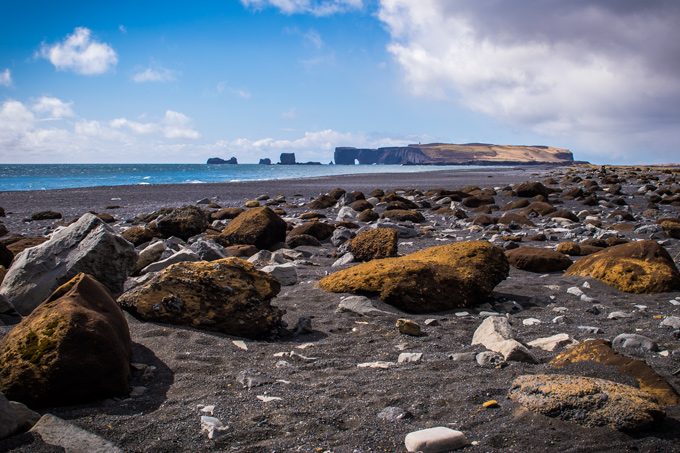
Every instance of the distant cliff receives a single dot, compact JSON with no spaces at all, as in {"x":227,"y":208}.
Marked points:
{"x":451,"y":154}
{"x":220,"y":161}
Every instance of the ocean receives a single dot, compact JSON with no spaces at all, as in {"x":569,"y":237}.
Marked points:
{"x":62,"y":176}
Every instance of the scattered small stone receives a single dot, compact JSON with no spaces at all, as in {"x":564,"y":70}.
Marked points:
{"x":490,"y":404}
{"x":408,"y":327}
{"x":409,"y":357}
{"x":393,"y":414}
{"x":634,"y":341}
{"x":531,"y":321}
{"x":575,"y":291}
{"x":489,"y":359}
{"x":435,"y":440}
{"x":60,"y":433}
{"x":378,"y":364}
{"x":590,"y":329}
{"x":551,"y":343}
{"x":240,"y":344}
{"x":619,"y":315}
{"x":268,"y":399}
{"x":212,"y":426}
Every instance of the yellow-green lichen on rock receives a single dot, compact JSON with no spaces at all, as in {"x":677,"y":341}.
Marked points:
{"x":635,"y":267}
{"x":74,"y":347}
{"x":434,"y":279}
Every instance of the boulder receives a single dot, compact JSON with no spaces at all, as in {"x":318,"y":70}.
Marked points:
{"x":404,"y":215}
{"x":635,"y":267}
{"x":208,"y":250}
{"x":88,"y":245}
{"x":538,"y":208}
{"x":302,"y":239}
{"x":138,"y":235}
{"x":374,"y":244}
{"x":361,"y":205}
{"x":537,"y":260}
{"x":46,"y":215}
{"x":228,"y":295}
{"x":671,"y":228}
{"x":601,"y":352}
{"x":531,"y":189}
{"x":449,"y":276}
{"x":6,"y":256}
{"x":148,"y":255}
{"x":319,"y":230}
{"x":368,"y":215}
{"x":226,"y":213}
{"x":513,"y":217}
{"x":74,"y":347}
{"x":183,"y":222}
{"x":587,"y":401}
{"x":285,"y":274}
{"x":322,"y":202}
{"x":177,"y":257}
{"x":260,"y":227}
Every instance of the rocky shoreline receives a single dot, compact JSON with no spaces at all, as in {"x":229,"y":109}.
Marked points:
{"x":522,"y":310}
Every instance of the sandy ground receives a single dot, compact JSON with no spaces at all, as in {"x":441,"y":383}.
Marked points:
{"x":327,"y":403}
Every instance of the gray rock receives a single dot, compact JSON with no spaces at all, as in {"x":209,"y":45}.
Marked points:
{"x":347,"y":258}
{"x":15,"y":417}
{"x":489,"y":359}
{"x":8,"y":315}
{"x":72,"y":439}
{"x":340,"y":236}
{"x":463,"y":356}
{"x":619,"y":315}
{"x":590,"y":329}
{"x":175,"y":243}
{"x":250,"y":379}
{"x":495,"y":334}
{"x":551,"y":343}
{"x":671,"y":321}
{"x":208,"y":250}
{"x":393,"y":414}
{"x":346,"y":213}
{"x":409,"y":357}
{"x":360,"y":305}
{"x":261,"y":258}
{"x":286,"y":274}
{"x":149,"y":254}
{"x":179,"y":257}
{"x":89,"y":245}
{"x":435,"y":440}
{"x":634,"y":341}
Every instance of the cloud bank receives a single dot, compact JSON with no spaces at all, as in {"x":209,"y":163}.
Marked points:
{"x":603,"y":74}
{"x":79,"y":52}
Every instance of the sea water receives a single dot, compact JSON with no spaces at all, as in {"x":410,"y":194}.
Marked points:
{"x":61,"y":176}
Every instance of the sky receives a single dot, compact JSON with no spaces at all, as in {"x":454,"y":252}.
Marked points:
{"x":179,"y":82}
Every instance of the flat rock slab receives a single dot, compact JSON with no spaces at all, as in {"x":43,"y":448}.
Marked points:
{"x":72,"y":439}
{"x":435,"y":440}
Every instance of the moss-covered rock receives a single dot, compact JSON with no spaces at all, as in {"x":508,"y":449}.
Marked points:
{"x":636,"y":267}
{"x":671,"y":228}
{"x":449,"y":276}
{"x":74,"y":347}
{"x":260,"y":227}
{"x":600,"y":352}
{"x":228,"y":295}
{"x":537,"y":260}
{"x":138,"y":235}
{"x":374,"y":244}
{"x":587,"y":401}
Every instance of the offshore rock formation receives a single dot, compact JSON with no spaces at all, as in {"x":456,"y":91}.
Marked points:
{"x":287,"y":158}
{"x":220,"y":161}
{"x":451,"y":154}
{"x":265,"y":161}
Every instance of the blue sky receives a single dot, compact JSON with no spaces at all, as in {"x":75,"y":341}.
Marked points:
{"x":180,"y":82}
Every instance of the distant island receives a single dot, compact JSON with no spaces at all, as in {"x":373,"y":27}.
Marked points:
{"x":220,"y":161}
{"x":284,"y":159}
{"x":454,"y":154}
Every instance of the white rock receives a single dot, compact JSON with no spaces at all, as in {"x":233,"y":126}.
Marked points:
{"x":671,"y":321}
{"x":60,"y":433}
{"x":378,"y":364}
{"x":286,"y":274}
{"x":435,"y":440}
{"x":531,"y":321}
{"x":575,"y":290}
{"x":407,"y":357}
{"x":89,"y":245}
{"x":551,"y":343}
{"x":240,"y":344}
{"x":212,"y":426}
{"x":495,"y":334}
{"x":268,"y":399}
{"x":261,"y":258}
{"x":619,"y":315}
{"x":360,"y":305}
{"x":346,"y":213}
{"x":209,"y":409}
{"x":347,"y":258}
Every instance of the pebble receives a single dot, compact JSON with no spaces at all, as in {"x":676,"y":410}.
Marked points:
{"x":671,"y":321}
{"x":393,"y":414}
{"x":137,"y":391}
{"x":531,"y":321}
{"x":575,"y":291}
{"x":240,"y":344}
{"x":552,"y":342}
{"x":489,"y":359}
{"x":485,"y":314}
{"x":462,"y":356}
{"x":409,"y":357}
{"x":268,"y":399}
{"x":490,"y":404}
{"x":619,"y":315}
{"x":345,"y":259}
{"x":435,"y":440}
{"x":431,"y":322}
{"x":590,"y":329}
{"x":212,"y":426}
{"x":408,"y":327}
{"x":562,"y":319}
{"x":382,"y":365}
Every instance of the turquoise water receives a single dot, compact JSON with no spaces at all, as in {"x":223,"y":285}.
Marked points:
{"x":47,"y":176}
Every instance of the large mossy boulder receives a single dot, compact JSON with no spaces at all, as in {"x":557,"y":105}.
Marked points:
{"x":586,"y":401}
{"x":260,"y":227}
{"x":438,"y":278}
{"x":228,"y":295}
{"x":89,"y":245}
{"x":373,"y":244}
{"x":75,"y":347}
{"x":539,"y":260}
{"x":183,"y":222}
{"x":635,"y":267}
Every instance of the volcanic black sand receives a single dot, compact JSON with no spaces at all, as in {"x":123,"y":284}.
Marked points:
{"x":326,"y":402}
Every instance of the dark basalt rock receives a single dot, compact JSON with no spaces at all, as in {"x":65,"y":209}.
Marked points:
{"x":220,"y":161}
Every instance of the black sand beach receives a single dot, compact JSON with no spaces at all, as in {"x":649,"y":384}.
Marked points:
{"x":326,"y":402}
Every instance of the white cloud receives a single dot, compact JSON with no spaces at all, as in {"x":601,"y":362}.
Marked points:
{"x":154,"y":75}
{"x":6,"y":78}
{"x":80,"y":53}
{"x":314,"y":7}
{"x":585,"y":70}
{"x":25,"y":137}
{"x":54,"y":107}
